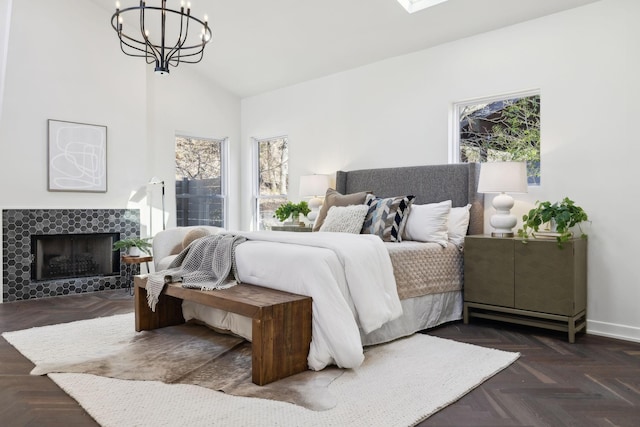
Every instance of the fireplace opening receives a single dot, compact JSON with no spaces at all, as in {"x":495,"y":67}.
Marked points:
{"x":61,"y":256}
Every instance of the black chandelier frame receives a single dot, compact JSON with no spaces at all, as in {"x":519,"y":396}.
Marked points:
{"x":162,"y":55}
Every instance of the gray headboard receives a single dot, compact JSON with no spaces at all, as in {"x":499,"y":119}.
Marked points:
{"x":430,"y":184}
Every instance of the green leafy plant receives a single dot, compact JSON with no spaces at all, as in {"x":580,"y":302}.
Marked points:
{"x":125,"y":244}
{"x":291,"y":209}
{"x":564,"y":215}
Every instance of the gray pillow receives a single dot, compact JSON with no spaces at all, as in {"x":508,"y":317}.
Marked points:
{"x":387,"y":217}
{"x":333,"y":198}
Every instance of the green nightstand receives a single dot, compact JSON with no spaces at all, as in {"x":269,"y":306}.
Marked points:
{"x":534,"y":283}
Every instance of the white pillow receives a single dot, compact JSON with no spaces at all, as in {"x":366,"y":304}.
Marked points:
{"x":428,"y":223}
{"x":458,"y":224}
{"x":345,"y":219}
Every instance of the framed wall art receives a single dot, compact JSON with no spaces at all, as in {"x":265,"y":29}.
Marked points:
{"x":77,"y":157}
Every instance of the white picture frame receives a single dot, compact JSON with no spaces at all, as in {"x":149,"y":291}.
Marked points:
{"x":77,"y":157}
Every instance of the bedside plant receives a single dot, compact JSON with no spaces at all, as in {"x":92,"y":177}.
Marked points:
{"x":127,"y":244}
{"x":560,"y":216}
{"x":292,"y":210}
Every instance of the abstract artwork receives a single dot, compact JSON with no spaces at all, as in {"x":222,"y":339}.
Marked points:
{"x":77,"y":157}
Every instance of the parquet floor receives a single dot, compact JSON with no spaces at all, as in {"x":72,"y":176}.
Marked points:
{"x":594,"y":382}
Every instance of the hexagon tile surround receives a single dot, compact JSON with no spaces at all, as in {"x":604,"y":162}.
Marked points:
{"x":19,"y":224}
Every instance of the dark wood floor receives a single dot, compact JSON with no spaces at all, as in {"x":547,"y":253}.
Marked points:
{"x":594,"y":382}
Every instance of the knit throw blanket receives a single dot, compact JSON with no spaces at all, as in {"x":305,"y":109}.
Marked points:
{"x":207,"y":264}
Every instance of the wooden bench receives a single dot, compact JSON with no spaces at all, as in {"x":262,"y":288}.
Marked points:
{"x":281,"y":331}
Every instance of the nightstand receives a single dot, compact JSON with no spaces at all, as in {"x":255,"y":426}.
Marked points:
{"x":535,"y":283}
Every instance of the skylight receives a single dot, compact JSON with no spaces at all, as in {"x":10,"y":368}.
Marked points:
{"x":417,"y":5}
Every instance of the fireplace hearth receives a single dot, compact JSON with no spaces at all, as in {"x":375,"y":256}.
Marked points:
{"x":51,"y":252}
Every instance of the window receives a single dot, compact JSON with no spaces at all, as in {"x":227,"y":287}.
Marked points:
{"x":271,"y":178}
{"x":201,"y":181}
{"x":498,"y":129}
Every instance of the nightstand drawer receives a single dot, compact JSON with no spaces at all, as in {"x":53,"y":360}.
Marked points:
{"x":488,"y":271}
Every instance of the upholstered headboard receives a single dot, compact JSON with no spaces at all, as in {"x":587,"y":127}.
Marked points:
{"x":430,"y":184}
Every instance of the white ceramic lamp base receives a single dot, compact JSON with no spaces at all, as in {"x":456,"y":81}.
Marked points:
{"x":503,"y":221}
{"x":314,"y":205}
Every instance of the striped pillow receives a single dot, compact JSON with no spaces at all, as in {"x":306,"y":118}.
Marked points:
{"x":387,"y":217}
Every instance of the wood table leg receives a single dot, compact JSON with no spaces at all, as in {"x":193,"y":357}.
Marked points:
{"x":281,"y":338}
{"x":168,"y":310}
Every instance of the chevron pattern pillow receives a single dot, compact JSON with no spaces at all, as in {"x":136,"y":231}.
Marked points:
{"x":387,"y":217}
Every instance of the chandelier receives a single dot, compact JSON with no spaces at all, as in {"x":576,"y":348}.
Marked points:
{"x":152,"y":41}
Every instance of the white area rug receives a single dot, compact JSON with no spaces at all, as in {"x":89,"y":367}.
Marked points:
{"x":399,"y":384}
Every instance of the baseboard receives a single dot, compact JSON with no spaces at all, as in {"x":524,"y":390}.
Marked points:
{"x":613,"y":330}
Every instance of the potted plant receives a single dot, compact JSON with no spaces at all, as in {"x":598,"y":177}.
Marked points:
{"x":558,"y":218}
{"x":133,"y":246}
{"x":292,"y":210}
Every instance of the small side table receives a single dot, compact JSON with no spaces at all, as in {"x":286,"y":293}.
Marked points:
{"x":129,"y":262}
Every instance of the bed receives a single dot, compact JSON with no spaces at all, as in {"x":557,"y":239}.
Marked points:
{"x":337,"y":337}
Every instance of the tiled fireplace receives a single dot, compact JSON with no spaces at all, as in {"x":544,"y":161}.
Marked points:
{"x":50,"y":252}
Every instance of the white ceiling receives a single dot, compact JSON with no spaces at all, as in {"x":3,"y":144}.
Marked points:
{"x":261,"y":45}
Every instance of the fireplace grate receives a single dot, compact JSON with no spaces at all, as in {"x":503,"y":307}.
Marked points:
{"x":64,"y":266}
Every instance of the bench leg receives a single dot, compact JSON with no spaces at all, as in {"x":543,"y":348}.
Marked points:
{"x":168,"y":310}
{"x":281,"y":338}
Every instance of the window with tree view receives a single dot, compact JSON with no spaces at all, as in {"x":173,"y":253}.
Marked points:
{"x":272,"y":173}
{"x":200,"y":181}
{"x":500,"y":129}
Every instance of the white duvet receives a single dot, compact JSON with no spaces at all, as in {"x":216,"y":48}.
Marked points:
{"x":349,"y":277}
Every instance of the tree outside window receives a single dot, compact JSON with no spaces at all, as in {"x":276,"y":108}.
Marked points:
{"x":200,"y":181}
{"x":500,"y":129}
{"x":272,"y":183}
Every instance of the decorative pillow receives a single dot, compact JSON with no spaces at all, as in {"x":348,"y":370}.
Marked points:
{"x":387,"y":217}
{"x":192,"y":235}
{"x":458,"y":224}
{"x":429,"y":223}
{"x":345,"y":219}
{"x":333,"y":198}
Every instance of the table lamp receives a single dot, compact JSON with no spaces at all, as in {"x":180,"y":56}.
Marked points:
{"x":503,"y":177}
{"x":314,"y":186}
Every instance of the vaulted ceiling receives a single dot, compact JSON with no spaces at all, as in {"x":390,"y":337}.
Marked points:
{"x":261,"y":45}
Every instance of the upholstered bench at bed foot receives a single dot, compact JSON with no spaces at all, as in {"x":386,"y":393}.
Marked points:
{"x":281,"y":330}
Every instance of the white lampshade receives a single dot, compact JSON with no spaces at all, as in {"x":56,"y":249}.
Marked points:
{"x":314,"y":185}
{"x":503,"y":177}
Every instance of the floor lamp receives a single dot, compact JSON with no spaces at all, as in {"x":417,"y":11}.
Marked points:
{"x":155,"y":181}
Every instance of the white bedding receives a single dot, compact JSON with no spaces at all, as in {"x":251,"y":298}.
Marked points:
{"x":349,"y":277}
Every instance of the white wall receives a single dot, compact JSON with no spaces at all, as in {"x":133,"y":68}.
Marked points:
{"x":76,"y":75}
{"x":64,"y":62}
{"x":5,"y":26}
{"x":188,"y":104}
{"x":397,"y":112}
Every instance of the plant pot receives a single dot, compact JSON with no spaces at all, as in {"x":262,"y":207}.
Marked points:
{"x":294,"y":221}
{"x":134,"y":251}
